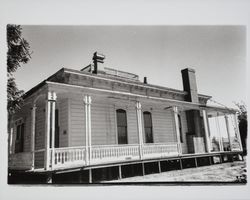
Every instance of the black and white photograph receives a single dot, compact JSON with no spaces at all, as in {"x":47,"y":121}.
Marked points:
{"x":125,"y":105}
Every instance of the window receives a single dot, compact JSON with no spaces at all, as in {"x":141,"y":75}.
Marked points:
{"x":180,"y":128}
{"x":122,"y":126}
{"x":148,"y":127}
{"x":19,"y":138}
{"x":57,"y":138}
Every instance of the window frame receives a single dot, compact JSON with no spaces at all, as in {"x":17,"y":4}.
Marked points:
{"x":117,"y":127}
{"x":151,"y":127}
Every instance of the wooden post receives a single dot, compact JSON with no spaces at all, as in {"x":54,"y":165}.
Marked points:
{"x":49,"y":128}
{"x":90,"y":175}
{"x":120,"y":171}
{"x":87,"y":102}
{"x":139,"y":124}
{"x":143,"y":169}
{"x":207,"y":137}
{"x":220,"y":137}
{"x":53,"y":110}
{"x":210,"y":161}
{"x":195,"y":160}
{"x":175,"y":109}
{"x":181,"y":164}
{"x":47,"y":133}
{"x":33,"y":134}
{"x":89,"y":120}
{"x":159,"y":166}
{"x":228,"y":132}
{"x":86,"y":130}
{"x":237,"y":131}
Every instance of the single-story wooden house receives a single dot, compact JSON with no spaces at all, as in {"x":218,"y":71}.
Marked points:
{"x":99,"y":117}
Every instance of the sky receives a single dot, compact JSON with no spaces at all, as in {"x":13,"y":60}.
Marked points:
{"x":217,"y":53}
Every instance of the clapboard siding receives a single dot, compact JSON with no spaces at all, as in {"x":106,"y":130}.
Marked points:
{"x":99,"y":112}
{"x":40,"y":127}
{"x":40,"y":134}
{"x":39,"y":159}
{"x":27,"y":131}
{"x":63,"y":122}
{"x":25,"y":115}
{"x":77,"y":121}
{"x":163,"y":126}
{"x":184,"y":131}
{"x":132,"y":125}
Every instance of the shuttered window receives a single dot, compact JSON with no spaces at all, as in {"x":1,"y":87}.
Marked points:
{"x":122,"y":126}
{"x":148,"y":127}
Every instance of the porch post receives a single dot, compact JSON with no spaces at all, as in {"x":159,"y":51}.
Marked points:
{"x":47,"y":131}
{"x":53,"y":110}
{"x":87,"y":102}
{"x":237,"y":130}
{"x":11,"y":137}
{"x":51,"y":98}
{"x":33,"y":129}
{"x":228,"y":132}
{"x":89,"y":126}
{"x":175,"y":109}
{"x":207,"y":137}
{"x":220,"y":137}
{"x":139,"y":124}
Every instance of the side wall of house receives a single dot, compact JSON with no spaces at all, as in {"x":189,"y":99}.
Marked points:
{"x":103,"y":121}
{"x":40,"y":134}
{"x":163,"y":124}
{"x":25,"y":115}
{"x":63,"y":108}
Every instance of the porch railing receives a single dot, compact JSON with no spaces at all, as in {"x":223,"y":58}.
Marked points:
{"x":76,"y":156}
{"x":114,"y":153}
{"x":159,"y":150}
{"x":68,"y":156}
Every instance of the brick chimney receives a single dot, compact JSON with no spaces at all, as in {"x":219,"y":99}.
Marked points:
{"x":193,"y":116}
{"x":189,"y":85}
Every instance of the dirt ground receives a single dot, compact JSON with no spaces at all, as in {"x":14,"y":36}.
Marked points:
{"x":226,"y":172}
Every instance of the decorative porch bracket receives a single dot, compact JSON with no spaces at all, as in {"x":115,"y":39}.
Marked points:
{"x":177,"y":129}
{"x":87,"y":103}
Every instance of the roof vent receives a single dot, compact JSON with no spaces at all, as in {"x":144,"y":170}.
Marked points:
{"x":97,"y":58}
{"x":145,"y":81}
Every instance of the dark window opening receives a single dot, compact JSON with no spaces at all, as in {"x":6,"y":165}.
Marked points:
{"x":180,"y":128}
{"x":19,"y":144}
{"x":122,"y":126}
{"x":57,"y":130}
{"x":148,"y":127}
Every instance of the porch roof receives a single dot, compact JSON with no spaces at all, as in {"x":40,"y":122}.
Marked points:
{"x":184,"y":105}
